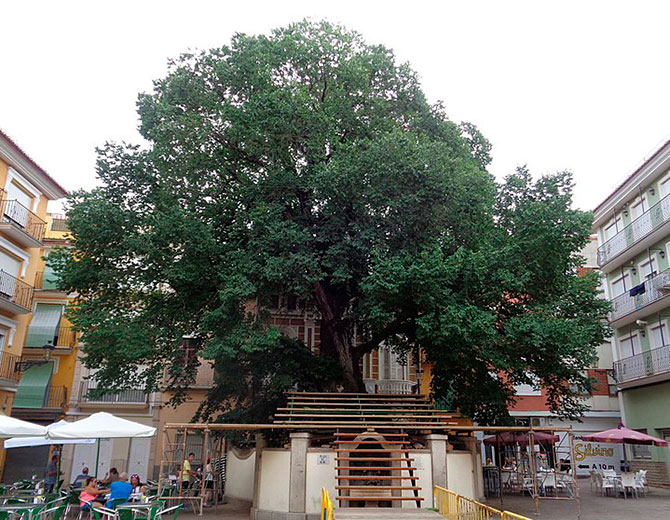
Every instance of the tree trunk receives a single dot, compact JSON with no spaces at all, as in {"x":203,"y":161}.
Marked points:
{"x":335,"y":332}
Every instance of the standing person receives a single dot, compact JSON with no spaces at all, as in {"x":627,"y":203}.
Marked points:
{"x":209,"y":482}
{"x":186,"y":471}
{"x":51,"y":474}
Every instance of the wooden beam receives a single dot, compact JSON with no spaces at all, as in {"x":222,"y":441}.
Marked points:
{"x":397,"y":426}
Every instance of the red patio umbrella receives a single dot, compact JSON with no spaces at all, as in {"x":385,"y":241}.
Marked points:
{"x":522,"y":438}
{"x":623,"y":435}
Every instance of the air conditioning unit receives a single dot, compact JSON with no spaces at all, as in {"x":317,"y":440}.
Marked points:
{"x":536,"y":422}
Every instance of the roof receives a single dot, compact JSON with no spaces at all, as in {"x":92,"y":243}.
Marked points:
{"x":637,"y":170}
{"x":58,"y":189}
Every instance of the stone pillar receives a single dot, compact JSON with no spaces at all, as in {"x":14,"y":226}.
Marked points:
{"x":298,"y":476}
{"x":260,"y":445}
{"x":437,"y":443}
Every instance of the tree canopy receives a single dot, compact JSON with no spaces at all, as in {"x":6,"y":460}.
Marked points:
{"x":310,"y":163}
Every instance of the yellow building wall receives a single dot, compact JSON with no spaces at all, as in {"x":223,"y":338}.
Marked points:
{"x":4,"y":168}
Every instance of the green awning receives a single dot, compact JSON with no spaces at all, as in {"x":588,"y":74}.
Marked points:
{"x":50,"y":280}
{"x":32,"y":389}
{"x":44,"y":325}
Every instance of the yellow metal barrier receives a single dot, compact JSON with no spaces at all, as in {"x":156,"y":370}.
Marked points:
{"x":457,"y":507}
{"x":326,"y":505}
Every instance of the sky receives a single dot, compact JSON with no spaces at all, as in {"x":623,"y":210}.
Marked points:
{"x":581,"y":86}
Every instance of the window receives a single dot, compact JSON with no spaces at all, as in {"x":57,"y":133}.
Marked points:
{"x":648,"y":268}
{"x":9,"y":264}
{"x":641,"y":451}
{"x":659,"y":335}
{"x":613,"y":228}
{"x":664,"y":186}
{"x":638,"y":208}
{"x":630,"y":345}
{"x":620,"y":285}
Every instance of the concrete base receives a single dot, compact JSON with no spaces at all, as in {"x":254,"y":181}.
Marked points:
{"x":264,"y":514}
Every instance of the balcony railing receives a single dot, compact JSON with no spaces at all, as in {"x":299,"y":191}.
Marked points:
{"x":132,"y":396}
{"x":15,"y":290}
{"x":47,"y":281}
{"x":654,"y":289}
{"x":59,"y":224}
{"x":8,"y":366}
{"x":65,"y":336}
{"x":54,"y":396}
{"x":17,"y":214}
{"x":389,"y":386}
{"x":639,"y":228}
{"x":656,"y":361}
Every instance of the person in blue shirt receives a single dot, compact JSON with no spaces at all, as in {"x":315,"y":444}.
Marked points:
{"x":120,"y":489}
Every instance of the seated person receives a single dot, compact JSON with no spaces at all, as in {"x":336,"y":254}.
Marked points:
{"x":81,"y":478}
{"x":112,"y":476}
{"x":119,"y":489}
{"x":138,"y":489}
{"x":91,"y":494}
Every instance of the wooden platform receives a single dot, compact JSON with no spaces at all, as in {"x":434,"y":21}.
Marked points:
{"x":384,"y":513}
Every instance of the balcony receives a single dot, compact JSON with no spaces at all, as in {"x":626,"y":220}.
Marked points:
{"x":626,"y":308}
{"x":641,"y":232}
{"x":8,"y":366}
{"x":122,"y":397}
{"x":65,"y":336}
{"x":16,"y":296}
{"x":389,"y":386}
{"x":49,"y":397}
{"x":46,"y":281}
{"x":655,"y":362}
{"x":59,"y":224}
{"x":21,"y":224}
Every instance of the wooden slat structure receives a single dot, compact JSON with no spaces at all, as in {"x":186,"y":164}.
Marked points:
{"x":374,"y":463}
{"x":360,"y":410}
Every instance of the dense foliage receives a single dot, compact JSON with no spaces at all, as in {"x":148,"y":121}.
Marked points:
{"x":309,"y":163}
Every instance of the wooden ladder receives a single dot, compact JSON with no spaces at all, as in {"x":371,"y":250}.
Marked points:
{"x":370,"y":465}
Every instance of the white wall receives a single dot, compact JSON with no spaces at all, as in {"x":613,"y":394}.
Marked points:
{"x":424,"y":471}
{"x":320,"y":473}
{"x":460,"y":477}
{"x":240,"y":474}
{"x":274,"y":480}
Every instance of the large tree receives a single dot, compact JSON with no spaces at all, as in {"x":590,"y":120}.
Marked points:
{"x":309,"y":163}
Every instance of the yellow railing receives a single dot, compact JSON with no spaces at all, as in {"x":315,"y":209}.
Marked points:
{"x":326,"y":505}
{"x":457,"y":507}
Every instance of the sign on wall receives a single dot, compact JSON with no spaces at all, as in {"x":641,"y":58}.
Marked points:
{"x":596,"y":456}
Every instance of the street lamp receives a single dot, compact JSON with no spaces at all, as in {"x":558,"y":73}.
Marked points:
{"x":48,"y":349}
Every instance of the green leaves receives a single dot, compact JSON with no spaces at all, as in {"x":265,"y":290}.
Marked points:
{"x":309,"y":163}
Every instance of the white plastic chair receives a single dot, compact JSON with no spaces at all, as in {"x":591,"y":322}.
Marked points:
{"x":628,"y":482}
{"x":607,"y":484}
{"x":549,"y":482}
{"x":641,"y":476}
{"x":595,"y":481}
{"x":640,"y":482}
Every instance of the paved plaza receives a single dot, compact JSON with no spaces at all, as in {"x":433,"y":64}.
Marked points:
{"x":656,"y":505}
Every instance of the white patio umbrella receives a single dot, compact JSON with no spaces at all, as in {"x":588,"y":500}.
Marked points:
{"x":28,"y":442}
{"x":11,"y":427}
{"x":101,"y":425}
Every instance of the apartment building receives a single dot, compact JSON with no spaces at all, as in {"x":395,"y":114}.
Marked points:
{"x":603,"y":404}
{"x":633,"y":229}
{"x":25,"y":190}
